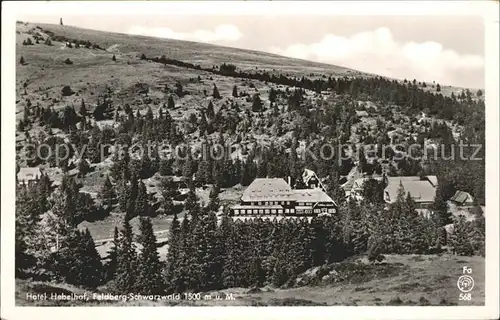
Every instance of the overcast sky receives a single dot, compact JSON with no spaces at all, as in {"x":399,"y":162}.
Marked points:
{"x":445,"y":49}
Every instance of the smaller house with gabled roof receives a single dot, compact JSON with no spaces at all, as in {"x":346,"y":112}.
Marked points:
{"x":311,"y":180}
{"x":28,"y":175}
{"x":462,"y":199}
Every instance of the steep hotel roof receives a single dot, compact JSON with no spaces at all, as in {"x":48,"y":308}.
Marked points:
{"x":268,"y":189}
{"x":311,"y":195}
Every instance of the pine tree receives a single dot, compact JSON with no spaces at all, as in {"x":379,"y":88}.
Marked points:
{"x":375,"y":249}
{"x":107,"y":194}
{"x":203,"y":124}
{"x":373,"y":191}
{"x":317,"y":240}
{"x":63,"y":203}
{"x":440,"y":207}
{"x":131,"y":201}
{"x":191,"y":204}
{"x":79,"y":262}
{"x":248,"y":172}
{"x":126,"y":268}
{"x":214,"y":201}
{"x":204,"y":173}
{"x":83,"y":168}
{"x":93,"y":269}
{"x":173,"y":255}
{"x":168,"y":192}
{"x":235,"y":91}
{"x":479,"y":230}
{"x":208,"y":259}
{"x":149,"y":280}
{"x":293,"y":165}
{"x":230,"y":252}
{"x":113,"y":58}
{"x":332,"y":186}
{"x":179,"y":91}
{"x":141,"y":202}
{"x":28,"y":210}
{"x":22,"y":61}
{"x":210,"y":110}
{"x":180,"y":282}
{"x":363,"y":164}
{"x":460,"y":239}
{"x":171,"y":103}
{"x":257,"y":103}
{"x":299,"y":183}
{"x":123,"y":192}
{"x":187,"y":169}
{"x":272,"y":95}
{"x":113,"y":255}
{"x":149,"y":114}
{"x":216,"y":93}
{"x":257,"y":274}
{"x":280,"y":273}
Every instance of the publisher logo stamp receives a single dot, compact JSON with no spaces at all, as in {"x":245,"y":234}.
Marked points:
{"x":465,"y":283}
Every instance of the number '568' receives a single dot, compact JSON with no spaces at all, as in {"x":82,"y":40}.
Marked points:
{"x":465,"y":296}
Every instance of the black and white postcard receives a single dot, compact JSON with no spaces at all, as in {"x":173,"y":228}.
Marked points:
{"x":332,"y":159}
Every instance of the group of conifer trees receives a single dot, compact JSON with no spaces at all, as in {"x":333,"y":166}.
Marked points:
{"x":206,"y":253}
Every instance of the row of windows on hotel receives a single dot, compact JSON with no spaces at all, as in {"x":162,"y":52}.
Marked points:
{"x":281,"y":211}
{"x":275,"y":203}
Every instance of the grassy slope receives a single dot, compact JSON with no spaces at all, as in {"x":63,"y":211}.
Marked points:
{"x":418,"y":280}
{"x":198,"y":53}
{"x":93,"y":70}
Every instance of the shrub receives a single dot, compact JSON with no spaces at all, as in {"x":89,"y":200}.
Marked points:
{"x":375,"y":250}
{"x":396,"y":301}
{"x":423,"y":302}
{"x":48,"y":42}
{"x":28,"y":42}
{"x":22,"y":61}
{"x":66,"y":91}
{"x":68,"y":61}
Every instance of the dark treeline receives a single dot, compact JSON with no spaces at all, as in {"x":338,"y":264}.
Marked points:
{"x":318,"y":128}
{"x":77,"y":42}
{"x":406,"y":94}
